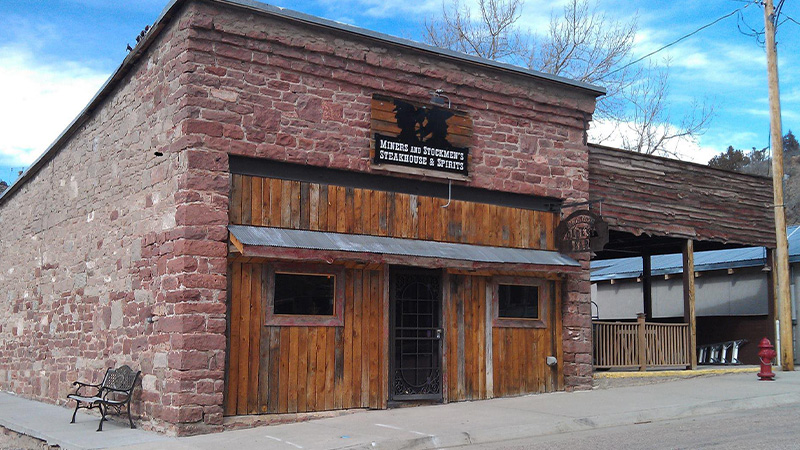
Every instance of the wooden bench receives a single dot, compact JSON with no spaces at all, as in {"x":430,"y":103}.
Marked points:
{"x":114,"y":392}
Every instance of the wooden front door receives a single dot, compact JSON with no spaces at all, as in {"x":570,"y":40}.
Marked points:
{"x":416,"y":311}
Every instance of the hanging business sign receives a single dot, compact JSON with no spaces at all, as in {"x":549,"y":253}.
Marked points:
{"x":423,"y":138}
{"x":581,"y":231}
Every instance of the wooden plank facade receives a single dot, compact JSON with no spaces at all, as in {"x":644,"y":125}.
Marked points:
{"x":293,"y":369}
{"x":272,"y":202}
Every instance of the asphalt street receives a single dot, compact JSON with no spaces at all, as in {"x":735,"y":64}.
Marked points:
{"x":714,"y":411}
{"x":771,"y":428}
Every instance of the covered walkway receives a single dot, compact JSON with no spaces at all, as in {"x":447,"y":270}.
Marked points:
{"x":656,"y":206}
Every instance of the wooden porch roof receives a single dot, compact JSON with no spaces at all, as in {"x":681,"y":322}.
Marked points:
{"x":656,"y":203}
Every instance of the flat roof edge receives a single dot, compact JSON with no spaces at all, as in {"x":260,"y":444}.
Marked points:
{"x":602,"y":147}
{"x":327,"y":23}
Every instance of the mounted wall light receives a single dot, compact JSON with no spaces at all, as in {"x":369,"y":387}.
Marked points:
{"x":438,"y":97}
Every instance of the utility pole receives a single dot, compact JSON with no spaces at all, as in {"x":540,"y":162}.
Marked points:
{"x":783,"y":298}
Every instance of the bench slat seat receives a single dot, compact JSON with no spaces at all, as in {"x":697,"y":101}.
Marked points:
{"x":95,"y":399}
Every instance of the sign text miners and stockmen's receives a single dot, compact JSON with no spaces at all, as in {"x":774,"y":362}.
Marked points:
{"x":422,"y":142}
{"x":389,"y":150}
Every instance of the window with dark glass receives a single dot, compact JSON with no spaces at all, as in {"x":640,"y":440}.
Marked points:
{"x":518,"y":301}
{"x":307,"y":295}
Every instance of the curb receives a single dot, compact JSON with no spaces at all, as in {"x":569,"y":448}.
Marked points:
{"x":579,"y":424}
{"x":674,"y":373}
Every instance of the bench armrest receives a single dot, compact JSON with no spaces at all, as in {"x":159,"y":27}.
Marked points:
{"x":82,"y":385}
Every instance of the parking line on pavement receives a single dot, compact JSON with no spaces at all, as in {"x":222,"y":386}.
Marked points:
{"x":282,"y":441}
{"x":402,"y":429}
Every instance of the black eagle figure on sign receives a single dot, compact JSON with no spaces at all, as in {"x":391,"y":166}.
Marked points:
{"x":422,"y":142}
{"x":421,"y":125}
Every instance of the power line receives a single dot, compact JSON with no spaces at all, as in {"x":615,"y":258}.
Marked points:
{"x":789,"y":19}
{"x":777,"y":12}
{"x":676,"y":41}
{"x":759,"y":35}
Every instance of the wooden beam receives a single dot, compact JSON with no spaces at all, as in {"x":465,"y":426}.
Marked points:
{"x":510,"y":273}
{"x":444,"y":342}
{"x":641,"y":338}
{"x":689,"y":315}
{"x":647,"y":286}
{"x":489,"y":350}
{"x":385,"y":341}
{"x":237,"y":244}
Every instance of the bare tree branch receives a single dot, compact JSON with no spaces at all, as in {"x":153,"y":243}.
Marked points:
{"x":492,"y":35}
{"x":582,"y":44}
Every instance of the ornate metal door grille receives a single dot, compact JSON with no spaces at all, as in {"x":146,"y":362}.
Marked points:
{"x":416,"y":337}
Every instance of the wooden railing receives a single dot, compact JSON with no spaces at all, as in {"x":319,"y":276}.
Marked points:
{"x":640,"y":344}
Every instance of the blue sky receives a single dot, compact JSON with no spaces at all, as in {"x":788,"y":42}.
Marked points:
{"x":55,"y":54}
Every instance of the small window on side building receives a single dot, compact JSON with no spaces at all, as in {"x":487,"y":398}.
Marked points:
{"x":521,"y":302}
{"x":304,"y":295}
{"x":518,"y":301}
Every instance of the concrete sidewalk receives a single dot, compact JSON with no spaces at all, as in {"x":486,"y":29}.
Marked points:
{"x":50,"y":423}
{"x":463,"y":423}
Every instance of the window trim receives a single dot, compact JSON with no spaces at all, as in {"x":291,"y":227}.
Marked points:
{"x":301,"y":320}
{"x":545,"y":300}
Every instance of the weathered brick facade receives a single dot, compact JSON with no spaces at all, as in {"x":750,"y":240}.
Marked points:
{"x":107,"y":235}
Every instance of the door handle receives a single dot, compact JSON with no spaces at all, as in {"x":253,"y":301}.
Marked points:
{"x":439,"y":332}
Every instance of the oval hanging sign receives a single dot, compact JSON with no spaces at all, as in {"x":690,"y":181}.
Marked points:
{"x":582,"y":231}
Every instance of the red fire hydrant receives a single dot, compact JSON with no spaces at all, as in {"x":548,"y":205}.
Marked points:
{"x":767,"y":354}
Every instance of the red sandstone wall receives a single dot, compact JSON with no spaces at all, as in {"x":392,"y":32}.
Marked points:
{"x":87,"y":248}
{"x":268,"y":88}
{"x":107,"y":234}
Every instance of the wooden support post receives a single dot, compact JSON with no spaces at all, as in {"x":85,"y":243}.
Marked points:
{"x":647,"y":286}
{"x":387,"y":378}
{"x":445,"y":325}
{"x":642,"y":341}
{"x":489,"y":346}
{"x":688,"y":300}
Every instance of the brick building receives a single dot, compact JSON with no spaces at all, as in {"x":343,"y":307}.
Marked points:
{"x":219,"y":217}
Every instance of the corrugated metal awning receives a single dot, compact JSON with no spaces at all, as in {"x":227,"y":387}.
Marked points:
{"x":245,"y":237}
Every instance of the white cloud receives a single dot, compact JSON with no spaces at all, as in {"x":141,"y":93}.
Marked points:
{"x":786,"y":114}
{"x":536,"y":14}
{"x":612,"y":134}
{"x":137,"y":6}
{"x":756,"y":112}
{"x":720,"y":139}
{"x":790,"y":95}
{"x":40,"y":100}
{"x":381,"y":9}
{"x":391,"y":8}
